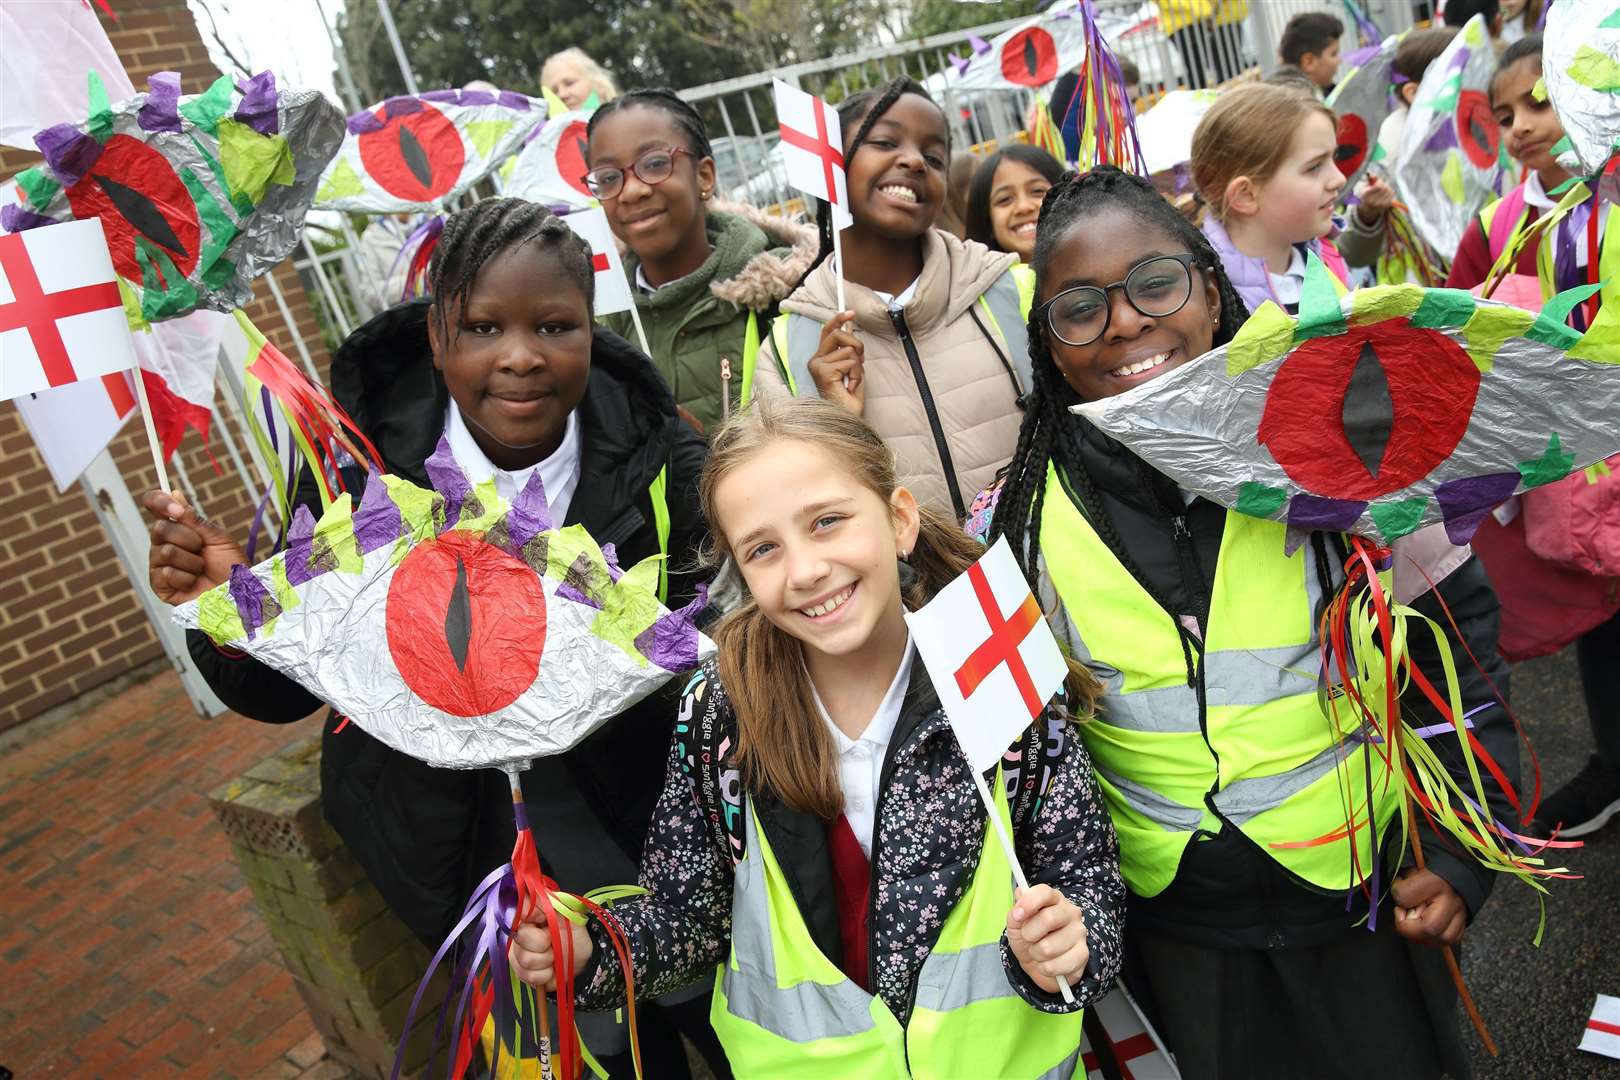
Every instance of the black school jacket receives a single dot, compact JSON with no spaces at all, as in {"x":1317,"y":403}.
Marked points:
{"x":426,"y":836}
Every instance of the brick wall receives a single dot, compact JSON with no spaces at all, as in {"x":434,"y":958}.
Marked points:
{"x":69,"y":618}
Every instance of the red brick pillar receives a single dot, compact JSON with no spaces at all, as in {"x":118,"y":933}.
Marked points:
{"x":69,"y":620}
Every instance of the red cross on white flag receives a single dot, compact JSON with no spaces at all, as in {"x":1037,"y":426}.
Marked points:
{"x":612,"y":287}
{"x":990,"y":653}
{"x":61,"y":318}
{"x":1602,"y":1034}
{"x":813,"y":148}
{"x":1132,"y":1044}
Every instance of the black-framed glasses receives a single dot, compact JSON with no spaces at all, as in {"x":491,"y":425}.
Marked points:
{"x":653,"y":167}
{"x":1157,"y":287}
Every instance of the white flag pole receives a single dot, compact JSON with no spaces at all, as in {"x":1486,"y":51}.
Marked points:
{"x":1012,"y":856}
{"x":151,"y":432}
{"x":838,"y":256}
{"x":641,"y":331}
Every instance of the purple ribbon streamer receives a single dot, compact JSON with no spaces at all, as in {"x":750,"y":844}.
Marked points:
{"x":68,"y":151}
{"x":258,"y":107}
{"x":161,"y":112}
{"x":14,"y":218}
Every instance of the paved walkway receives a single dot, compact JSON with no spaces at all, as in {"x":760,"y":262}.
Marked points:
{"x":130,"y":943}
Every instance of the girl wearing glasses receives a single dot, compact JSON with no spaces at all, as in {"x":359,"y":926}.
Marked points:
{"x":1203,"y":633}
{"x":707,"y":280}
{"x":1271,"y":198}
{"x":930,"y":349}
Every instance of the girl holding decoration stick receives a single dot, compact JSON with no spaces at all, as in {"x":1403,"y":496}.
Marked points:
{"x":820,"y":849}
{"x":500,"y":376}
{"x":1220,"y":763}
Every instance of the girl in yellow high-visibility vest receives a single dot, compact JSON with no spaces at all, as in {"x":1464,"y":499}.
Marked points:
{"x":820,"y":850}
{"x":1214,"y":751}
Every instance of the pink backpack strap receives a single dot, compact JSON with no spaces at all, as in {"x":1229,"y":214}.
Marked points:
{"x":1508,"y":213}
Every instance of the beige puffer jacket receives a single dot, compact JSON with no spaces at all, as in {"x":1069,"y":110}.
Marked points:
{"x":956,"y":362}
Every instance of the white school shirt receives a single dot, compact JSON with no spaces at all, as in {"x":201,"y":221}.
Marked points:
{"x":860,"y":761}
{"x":559,"y":473}
{"x":890,"y":300}
{"x":1288,"y":285}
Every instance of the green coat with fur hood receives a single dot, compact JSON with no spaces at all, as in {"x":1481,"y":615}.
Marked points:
{"x":696,"y":325}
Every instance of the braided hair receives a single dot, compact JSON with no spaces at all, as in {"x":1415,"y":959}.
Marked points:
{"x":867,"y":106}
{"x":686,"y":118}
{"x":1049,"y":434}
{"x":477,"y":234}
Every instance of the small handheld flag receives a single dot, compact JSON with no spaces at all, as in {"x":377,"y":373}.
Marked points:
{"x":813,"y":149}
{"x":612,"y":287}
{"x":1602,"y":1035}
{"x":995,"y":665}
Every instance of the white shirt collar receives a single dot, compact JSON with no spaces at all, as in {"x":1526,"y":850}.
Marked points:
{"x":559,"y":473}
{"x":643,"y":284}
{"x":880,"y":729}
{"x":892,"y":301}
{"x":1535,"y":194}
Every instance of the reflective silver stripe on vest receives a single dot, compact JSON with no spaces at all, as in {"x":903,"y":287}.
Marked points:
{"x":1260,"y":676}
{"x":803,"y":334}
{"x":1169,"y":815}
{"x":951,"y":980}
{"x":801,"y":1013}
{"x":1247,"y":798}
{"x":1067,"y":1069}
{"x":1007,"y":309}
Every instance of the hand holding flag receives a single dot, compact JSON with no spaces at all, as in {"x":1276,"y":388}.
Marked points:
{"x":995,"y":665}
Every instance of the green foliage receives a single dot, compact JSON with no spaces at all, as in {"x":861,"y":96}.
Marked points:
{"x":929,"y":17}
{"x":639,"y":42}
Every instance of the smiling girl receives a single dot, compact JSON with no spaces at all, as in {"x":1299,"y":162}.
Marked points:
{"x":1262,"y":158}
{"x":819,"y":850}
{"x":931,"y":348}
{"x":707,"y":277}
{"x":499,"y":375}
{"x":1005,"y":200}
{"x":1211,"y":745}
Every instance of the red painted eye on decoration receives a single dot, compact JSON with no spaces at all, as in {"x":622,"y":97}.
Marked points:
{"x":571,"y":157}
{"x":416,"y":156}
{"x":1351,"y":152}
{"x":1361,"y":414}
{"x":1029,"y":58}
{"x":136,"y":193}
{"x":1477,"y":130}
{"x":466,"y":624}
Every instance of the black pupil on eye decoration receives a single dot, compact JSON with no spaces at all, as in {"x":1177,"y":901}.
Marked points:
{"x":1032,"y":60}
{"x":142,"y":213}
{"x":1477,"y":130}
{"x":1368,"y":412}
{"x":458,"y":618}
{"x":1344,"y":152}
{"x":415,"y":158}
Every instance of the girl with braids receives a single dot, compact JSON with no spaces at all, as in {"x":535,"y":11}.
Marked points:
{"x":499,"y":374}
{"x":819,"y":850}
{"x":1249,"y":942}
{"x":707,"y":275}
{"x":931,"y":348}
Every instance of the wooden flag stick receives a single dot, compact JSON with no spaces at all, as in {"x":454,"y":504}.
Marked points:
{"x":151,"y":431}
{"x":1012,"y":856}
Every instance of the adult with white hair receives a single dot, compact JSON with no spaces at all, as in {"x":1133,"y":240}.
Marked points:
{"x":574,"y":77}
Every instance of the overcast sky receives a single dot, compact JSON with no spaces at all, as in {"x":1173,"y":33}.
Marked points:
{"x":287,"y":37}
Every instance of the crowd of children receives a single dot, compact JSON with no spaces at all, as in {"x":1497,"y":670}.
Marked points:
{"x":825,"y":895}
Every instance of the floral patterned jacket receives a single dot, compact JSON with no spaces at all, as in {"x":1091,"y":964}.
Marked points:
{"x":930,"y":827}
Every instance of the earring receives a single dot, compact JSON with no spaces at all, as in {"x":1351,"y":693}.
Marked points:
{"x":705,"y":196}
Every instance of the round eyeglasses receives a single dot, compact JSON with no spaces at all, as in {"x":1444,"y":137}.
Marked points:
{"x":1157,"y":287}
{"x":653,"y":167}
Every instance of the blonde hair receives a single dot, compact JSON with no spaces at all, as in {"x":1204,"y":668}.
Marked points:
{"x":782,"y":744}
{"x":595,"y":76}
{"x":1239,"y":136}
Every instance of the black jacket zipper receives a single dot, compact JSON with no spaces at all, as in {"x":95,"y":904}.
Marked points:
{"x":898,"y":317}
